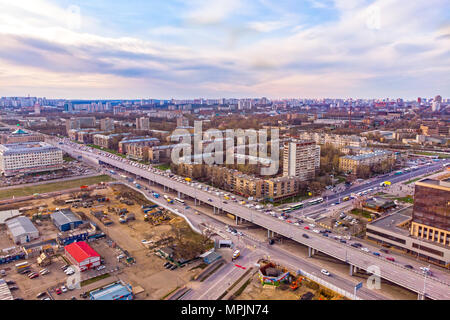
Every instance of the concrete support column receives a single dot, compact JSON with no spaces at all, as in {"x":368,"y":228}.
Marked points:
{"x":237,"y":220}
{"x":309,"y":252}
{"x":351,"y":270}
{"x":179,"y":195}
{"x":268,"y":233}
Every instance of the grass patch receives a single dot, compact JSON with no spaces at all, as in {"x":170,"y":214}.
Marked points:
{"x":440,"y":156}
{"x":68,"y":158}
{"x":241,"y":289}
{"x":360,"y":212}
{"x":412,"y":180}
{"x":92,"y":280}
{"x":163,"y":166}
{"x":54,"y":186}
{"x":169,"y":293}
{"x":107,"y":150}
{"x":407,"y":199}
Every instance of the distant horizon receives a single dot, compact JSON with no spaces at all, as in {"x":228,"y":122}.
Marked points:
{"x":223,"y":48}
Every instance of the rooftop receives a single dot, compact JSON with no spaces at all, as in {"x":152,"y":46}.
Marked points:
{"x":368,"y":155}
{"x":20,"y":225}
{"x":113,"y":291}
{"x":26,"y":147}
{"x":392,"y":221}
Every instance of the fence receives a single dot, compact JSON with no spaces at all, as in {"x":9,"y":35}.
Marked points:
{"x":328,"y":285}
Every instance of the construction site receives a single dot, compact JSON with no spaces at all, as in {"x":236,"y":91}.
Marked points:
{"x":275,"y":282}
{"x":135,"y":239}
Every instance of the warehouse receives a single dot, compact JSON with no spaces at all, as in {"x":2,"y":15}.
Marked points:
{"x":82,"y":255}
{"x":22,"y":230}
{"x":114,"y":291}
{"x":65,"y":220}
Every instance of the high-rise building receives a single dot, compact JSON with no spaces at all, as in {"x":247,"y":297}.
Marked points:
{"x":182,"y":122}
{"x":17,"y":158}
{"x":431,"y":213}
{"x":107,"y":124}
{"x":301,"y":159}
{"x":37,"y":108}
{"x":143,"y":123}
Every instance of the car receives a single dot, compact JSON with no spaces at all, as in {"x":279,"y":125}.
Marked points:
{"x":13,"y":288}
{"x":306,"y":228}
{"x":58,"y":291}
{"x":166,"y":264}
{"x":365,"y":249}
{"x":409,"y":266}
{"x":46,"y":298}
{"x":358,"y":244}
{"x":316,"y":231}
{"x":342,"y":241}
{"x":169,"y":266}
{"x":376,"y":254}
{"x":210,"y":200}
{"x":325,"y":234}
{"x":100,"y":268}
{"x":390,"y":259}
{"x":312,"y":225}
{"x":174,"y":267}
{"x":64,"y":267}
{"x":73,"y":298}
{"x":70,"y":272}
{"x":64,"y":289}
{"x":354,"y":245}
{"x":33,"y":275}
{"x":305,"y":236}
{"x":325,"y":272}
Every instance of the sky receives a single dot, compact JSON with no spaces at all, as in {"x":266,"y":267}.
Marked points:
{"x":139,"y":49}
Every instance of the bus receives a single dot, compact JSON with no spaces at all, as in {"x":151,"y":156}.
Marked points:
{"x":22,"y":266}
{"x":296,"y":206}
{"x":286,"y":210}
{"x":72,"y":201}
{"x":179,"y":201}
{"x":315,"y":201}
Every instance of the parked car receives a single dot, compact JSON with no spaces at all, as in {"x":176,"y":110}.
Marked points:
{"x":376,"y":254}
{"x":58,"y":291}
{"x":306,"y":228}
{"x":409,"y":266}
{"x":41,"y":294}
{"x":64,"y":289}
{"x":100,"y":268}
{"x":305,"y":236}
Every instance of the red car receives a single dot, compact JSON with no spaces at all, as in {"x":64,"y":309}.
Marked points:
{"x":306,"y":228}
{"x":33,"y":275}
{"x":58,"y":291}
{"x":390,"y":259}
{"x":289,"y":221}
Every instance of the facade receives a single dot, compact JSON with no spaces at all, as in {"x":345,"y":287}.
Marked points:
{"x":301,"y":159}
{"x":82,"y":255}
{"x":336,"y":140}
{"x":22,"y":230}
{"x":351,"y":163}
{"x":114,"y":291}
{"x":431,"y":214}
{"x":107,"y":124}
{"x":20,"y":135}
{"x":392,"y":230}
{"x":65,"y":220}
{"x":127,"y":144}
{"x":19,"y":158}
{"x":281,"y":188}
{"x":182,"y":122}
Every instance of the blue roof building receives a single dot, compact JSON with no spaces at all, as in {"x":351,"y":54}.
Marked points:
{"x":114,"y":291}
{"x":65,"y":220}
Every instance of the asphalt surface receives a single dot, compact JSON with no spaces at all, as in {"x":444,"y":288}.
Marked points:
{"x":392,"y":271}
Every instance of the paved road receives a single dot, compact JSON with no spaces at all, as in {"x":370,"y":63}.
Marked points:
{"x":411,"y":279}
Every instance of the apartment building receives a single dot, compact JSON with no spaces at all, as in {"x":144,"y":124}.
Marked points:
{"x":107,"y":124}
{"x":182,"y":122}
{"x":20,"y":158}
{"x":351,"y":163}
{"x":127,"y":144}
{"x":301,"y":159}
{"x":143,"y":123}
{"x":336,"y":140}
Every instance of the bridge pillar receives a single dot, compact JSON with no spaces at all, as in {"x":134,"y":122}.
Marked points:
{"x":351,"y":270}
{"x":179,"y":195}
{"x":309,"y":252}
{"x":268,"y":233}
{"x":237,"y":220}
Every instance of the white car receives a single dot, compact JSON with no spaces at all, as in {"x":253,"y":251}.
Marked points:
{"x":100,"y":268}
{"x":63,"y":289}
{"x":365,"y":249}
{"x":316,"y":231}
{"x":312,"y":225}
{"x":325,"y":272}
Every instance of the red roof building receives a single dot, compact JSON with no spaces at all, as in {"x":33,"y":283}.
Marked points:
{"x":82,"y":255}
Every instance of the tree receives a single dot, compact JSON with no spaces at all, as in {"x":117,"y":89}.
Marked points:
{"x":363,"y":172}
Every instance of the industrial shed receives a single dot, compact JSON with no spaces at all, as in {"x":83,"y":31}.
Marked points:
{"x":22,"y":230}
{"x":5,"y":293}
{"x":82,"y":255}
{"x":65,"y":220}
{"x":113,"y":291}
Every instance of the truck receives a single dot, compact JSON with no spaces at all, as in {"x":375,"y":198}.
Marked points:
{"x":236,"y":254}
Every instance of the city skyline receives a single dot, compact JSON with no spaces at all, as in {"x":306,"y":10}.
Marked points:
{"x":313,"y":49}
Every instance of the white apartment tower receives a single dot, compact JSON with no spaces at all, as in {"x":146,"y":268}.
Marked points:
{"x":301,"y":159}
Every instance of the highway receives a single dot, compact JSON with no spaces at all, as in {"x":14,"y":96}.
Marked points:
{"x":435,"y":289}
